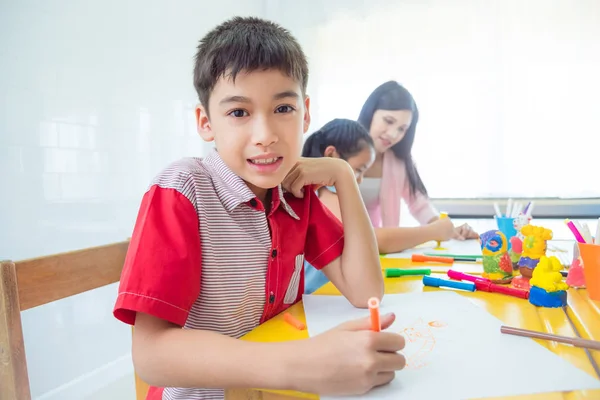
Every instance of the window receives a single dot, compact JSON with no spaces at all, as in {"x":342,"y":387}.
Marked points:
{"x":508,"y":91}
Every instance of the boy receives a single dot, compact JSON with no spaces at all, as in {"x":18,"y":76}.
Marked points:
{"x":219,"y":243}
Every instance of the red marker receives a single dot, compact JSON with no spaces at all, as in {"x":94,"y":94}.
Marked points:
{"x":491,"y":287}
{"x":459,"y":276}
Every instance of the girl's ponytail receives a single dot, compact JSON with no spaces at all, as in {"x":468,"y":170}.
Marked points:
{"x":313,"y":145}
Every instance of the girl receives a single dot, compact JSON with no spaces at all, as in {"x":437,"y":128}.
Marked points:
{"x":391,"y":116}
{"x":348,"y":140}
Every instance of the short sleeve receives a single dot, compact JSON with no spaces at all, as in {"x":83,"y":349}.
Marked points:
{"x":161,"y":275}
{"x":325,"y":236}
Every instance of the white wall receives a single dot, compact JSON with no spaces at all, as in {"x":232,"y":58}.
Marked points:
{"x":95,"y":98}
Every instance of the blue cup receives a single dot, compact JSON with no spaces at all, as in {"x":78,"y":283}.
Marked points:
{"x":506,"y":225}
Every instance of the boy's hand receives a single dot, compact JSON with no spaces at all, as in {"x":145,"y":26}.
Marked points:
{"x":443,"y":229}
{"x":351,"y":359}
{"x":322,"y":171}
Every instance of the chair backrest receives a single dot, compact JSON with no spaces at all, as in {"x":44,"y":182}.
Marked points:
{"x":31,"y":283}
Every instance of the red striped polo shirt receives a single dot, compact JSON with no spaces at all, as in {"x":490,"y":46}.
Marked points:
{"x":204,"y":254}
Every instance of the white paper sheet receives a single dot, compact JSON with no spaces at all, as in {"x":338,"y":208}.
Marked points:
{"x":454,"y":350}
{"x":458,"y":247}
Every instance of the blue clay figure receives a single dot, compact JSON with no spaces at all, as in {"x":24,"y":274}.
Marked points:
{"x":547,"y":286}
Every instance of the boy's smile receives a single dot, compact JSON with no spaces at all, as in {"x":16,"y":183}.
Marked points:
{"x":266,"y":163}
{"x":257,"y":122}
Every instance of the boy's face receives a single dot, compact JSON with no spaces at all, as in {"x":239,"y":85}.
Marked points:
{"x":257,"y":124}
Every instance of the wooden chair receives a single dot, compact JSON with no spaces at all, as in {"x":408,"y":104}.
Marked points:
{"x":31,"y":283}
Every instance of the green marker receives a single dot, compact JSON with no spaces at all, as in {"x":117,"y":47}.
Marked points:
{"x":396,"y":272}
{"x":472,"y":256}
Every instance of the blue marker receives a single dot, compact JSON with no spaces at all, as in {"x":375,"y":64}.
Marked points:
{"x":437,"y":282}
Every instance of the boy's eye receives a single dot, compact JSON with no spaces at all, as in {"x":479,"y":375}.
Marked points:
{"x":284,"y":109}
{"x":238,"y":113}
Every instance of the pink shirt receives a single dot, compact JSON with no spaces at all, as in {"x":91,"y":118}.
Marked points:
{"x":385,"y":211}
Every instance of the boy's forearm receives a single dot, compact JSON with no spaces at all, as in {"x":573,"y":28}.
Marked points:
{"x":360,"y":260}
{"x":192,"y":358}
{"x":393,"y":240}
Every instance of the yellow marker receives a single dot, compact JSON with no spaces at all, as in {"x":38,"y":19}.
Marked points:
{"x":442,"y":216}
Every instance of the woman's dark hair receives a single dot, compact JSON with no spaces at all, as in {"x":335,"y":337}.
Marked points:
{"x":393,"y":96}
{"x":348,"y":137}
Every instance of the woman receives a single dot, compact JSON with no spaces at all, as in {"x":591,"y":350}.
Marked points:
{"x":391,"y":116}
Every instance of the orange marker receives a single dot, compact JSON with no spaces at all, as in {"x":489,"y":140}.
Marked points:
{"x":374,"y":309}
{"x":293,"y":321}
{"x":422,"y":258}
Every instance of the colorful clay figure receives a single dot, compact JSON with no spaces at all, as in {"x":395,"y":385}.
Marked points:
{"x":497,"y":265}
{"x":534,"y":247}
{"x":519,"y":222}
{"x":516,"y":242}
{"x":516,"y":248}
{"x":547,"y":288}
{"x":575,"y":278}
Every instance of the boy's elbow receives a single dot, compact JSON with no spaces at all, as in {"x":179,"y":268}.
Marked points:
{"x":143,"y":365}
{"x":362,"y":300}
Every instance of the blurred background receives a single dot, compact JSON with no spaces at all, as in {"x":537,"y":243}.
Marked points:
{"x":96,"y":97}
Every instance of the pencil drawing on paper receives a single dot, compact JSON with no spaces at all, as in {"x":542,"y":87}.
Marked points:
{"x":420,"y":340}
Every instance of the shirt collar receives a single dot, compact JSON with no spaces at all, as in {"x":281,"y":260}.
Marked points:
{"x":233,"y":191}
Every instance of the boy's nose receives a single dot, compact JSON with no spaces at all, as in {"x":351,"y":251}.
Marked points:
{"x":264,"y":134}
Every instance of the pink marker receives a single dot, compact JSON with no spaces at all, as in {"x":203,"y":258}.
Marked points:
{"x":459,"y":276}
{"x":576,"y":233}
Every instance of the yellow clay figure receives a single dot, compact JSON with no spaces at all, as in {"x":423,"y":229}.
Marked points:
{"x":534,"y":244}
{"x":547,"y":275}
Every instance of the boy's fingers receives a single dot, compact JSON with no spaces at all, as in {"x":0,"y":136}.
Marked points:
{"x":364,"y":324}
{"x":383,"y":378}
{"x":390,"y":342}
{"x":387,"y":320}
{"x":390,"y":361}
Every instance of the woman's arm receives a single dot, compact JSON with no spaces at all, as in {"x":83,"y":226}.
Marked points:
{"x":393,"y":240}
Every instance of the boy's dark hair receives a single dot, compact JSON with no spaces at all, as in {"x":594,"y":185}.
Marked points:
{"x":393,"y":96}
{"x":246,"y":44}
{"x":347,"y":136}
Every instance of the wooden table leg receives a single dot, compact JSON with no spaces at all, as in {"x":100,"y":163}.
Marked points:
{"x":253,"y":394}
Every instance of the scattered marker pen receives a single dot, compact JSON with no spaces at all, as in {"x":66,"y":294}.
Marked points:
{"x":459,"y":276}
{"x":423,"y":258}
{"x":397,"y":272}
{"x":438,"y":282}
{"x":293,"y":321}
{"x":493,"y":288}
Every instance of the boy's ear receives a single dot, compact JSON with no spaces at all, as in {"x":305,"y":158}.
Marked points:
{"x":203,"y":124}
{"x":306,"y":113}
